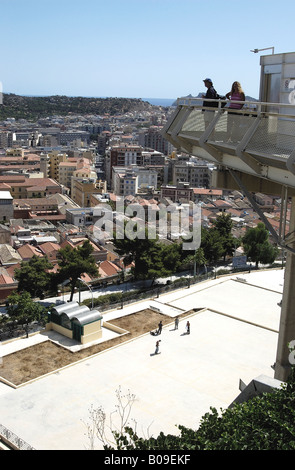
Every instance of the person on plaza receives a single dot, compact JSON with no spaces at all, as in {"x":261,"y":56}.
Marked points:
{"x":160,"y":326}
{"x":188,"y":327}
{"x":157,"y":347}
{"x":236,"y":96}
{"x":176,"y":322}
{"x":211,"y":94}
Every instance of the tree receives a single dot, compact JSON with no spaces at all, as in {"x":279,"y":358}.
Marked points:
{"x":74,"y":262}
{"x":223,"y":224}
{"x":22,"y":309}
{"x":212,"y":245}
{"x":199,"y":258}
{"x":162,"y":260}
{"x":257,"y":246}
{"x":151,"y":258}
{"x":34,"y":277}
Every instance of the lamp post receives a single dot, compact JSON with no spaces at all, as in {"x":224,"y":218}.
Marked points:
{"x":84,"y":282}
{"x":67,"y":281}
{"x":265,"y":49}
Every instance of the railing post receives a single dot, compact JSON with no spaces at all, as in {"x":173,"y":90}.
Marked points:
{"x":287,"y":321}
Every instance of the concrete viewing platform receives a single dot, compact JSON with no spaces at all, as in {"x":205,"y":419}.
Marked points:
{"x":233,"y":337}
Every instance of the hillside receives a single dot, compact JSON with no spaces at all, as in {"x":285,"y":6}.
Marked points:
{"x":27,"y":107}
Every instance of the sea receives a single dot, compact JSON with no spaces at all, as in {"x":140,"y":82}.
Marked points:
{"x":160,"y":101}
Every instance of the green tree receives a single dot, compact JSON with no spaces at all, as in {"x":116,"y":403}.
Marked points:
{"x":212,"y":245}
{"x":257,"y":246}
{"x":223,"y":224}
{"x":199,"y":259}
{"x":34,"y":277}
{"x":151,"y":259}
{"x":74,"y":262}
{"x":22,"y":309}
{"x":162,"y":261}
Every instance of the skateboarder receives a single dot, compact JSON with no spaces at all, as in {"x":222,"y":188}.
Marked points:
{"x":157,"y":347}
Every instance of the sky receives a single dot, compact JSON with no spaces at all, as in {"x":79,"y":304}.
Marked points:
{"x":138,"y":48}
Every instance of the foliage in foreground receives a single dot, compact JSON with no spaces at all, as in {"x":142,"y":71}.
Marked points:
{"x":266,"y":422}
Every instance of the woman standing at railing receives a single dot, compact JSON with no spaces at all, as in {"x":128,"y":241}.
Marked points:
{"x":235,"y":95}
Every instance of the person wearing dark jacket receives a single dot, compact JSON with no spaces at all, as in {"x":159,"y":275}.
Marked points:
{"x":210,"y":94}
{"x":160,"y":326}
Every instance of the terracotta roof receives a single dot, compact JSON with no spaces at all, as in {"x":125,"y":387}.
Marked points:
{"x":49,"y":248}
{"x":212,"y":192}
{"x":5,"y":279}
{"x":28,"y":251}
{"x":107,"y":268}
{"x":220,"y":203}
{"x":71,"y":164}
{"x":206,"y":212}
{"x":5,"y":186}
{"x":11,"y":269}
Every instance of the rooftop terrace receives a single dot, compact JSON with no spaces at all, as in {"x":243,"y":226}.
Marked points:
{"x":233,"y":338}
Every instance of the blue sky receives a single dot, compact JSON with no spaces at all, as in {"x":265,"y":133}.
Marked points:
{"x":138,"y":48}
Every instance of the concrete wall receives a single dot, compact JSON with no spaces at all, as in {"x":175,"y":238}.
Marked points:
{"x":59,"y":329}
{"x":92,"y":332}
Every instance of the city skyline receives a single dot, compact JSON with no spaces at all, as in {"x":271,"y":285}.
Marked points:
{"x":137,"y":48}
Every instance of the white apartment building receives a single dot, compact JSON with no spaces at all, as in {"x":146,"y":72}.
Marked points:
{"x":6,"y":206}
{"x":123,"y":186}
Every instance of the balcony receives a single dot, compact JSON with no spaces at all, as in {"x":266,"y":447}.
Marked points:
{"x":258,"y":140}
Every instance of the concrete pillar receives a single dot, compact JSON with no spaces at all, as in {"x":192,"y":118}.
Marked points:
{"x":287,"y":322}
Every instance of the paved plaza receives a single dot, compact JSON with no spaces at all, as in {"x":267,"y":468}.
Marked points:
{"x":234,"y":336}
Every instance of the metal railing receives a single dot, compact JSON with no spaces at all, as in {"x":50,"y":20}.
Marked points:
{"x":265,"y":131}
{"x":12,"y":440}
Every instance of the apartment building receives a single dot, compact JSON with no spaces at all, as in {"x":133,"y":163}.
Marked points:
{"x":127,"y":181}
{"x":197,"y":175}
{"x":15,"y":152}
{"x":6,"y":206}
{"x":71,"y":136}
{"x":84,"y":189}
{"x":153,"y":138}
{"x":65,"y":172}
{"x":126,"y":184}
{"x":29,"y":163}
{"x":55,"y":158}
{"x":6,"y":139}
{"x":181,"y":193}
{"x":83,"y":181}
{"x":21,"y":186}
{"x":152,"y":157}
{"x":49,"y":164}
{"x":122,"y":155}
